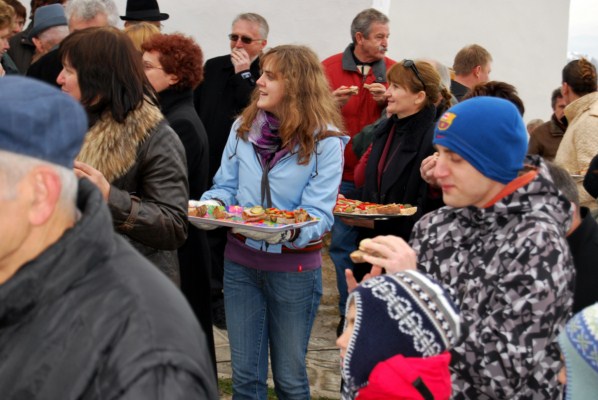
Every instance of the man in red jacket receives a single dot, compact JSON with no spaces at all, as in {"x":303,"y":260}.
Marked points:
{"x":357,"y":77}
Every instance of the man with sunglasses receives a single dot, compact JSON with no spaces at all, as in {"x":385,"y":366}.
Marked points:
{"x":357,"y":77}
{"x":225,"y":91}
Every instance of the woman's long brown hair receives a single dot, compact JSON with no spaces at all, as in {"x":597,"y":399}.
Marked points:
{"x":307,"y":106}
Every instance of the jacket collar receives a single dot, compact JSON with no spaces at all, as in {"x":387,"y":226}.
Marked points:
{"x":412,"y":131}
{"x":539,"y":197}
{"x":587,"y":102}
{"x":170,"y":98}
{"x":557,"y":127}
{"x":54,"y":271}
{"x":378,"y":68}
{"x":111,"y":147}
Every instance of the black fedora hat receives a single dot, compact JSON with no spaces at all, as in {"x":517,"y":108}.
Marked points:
{"x":143,"y":10}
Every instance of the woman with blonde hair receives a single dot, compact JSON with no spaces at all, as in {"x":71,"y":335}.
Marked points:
{"x":284,"y":151}
{"x":141,"y":33}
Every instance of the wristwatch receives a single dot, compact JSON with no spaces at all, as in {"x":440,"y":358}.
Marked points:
{"x":247,"y":76}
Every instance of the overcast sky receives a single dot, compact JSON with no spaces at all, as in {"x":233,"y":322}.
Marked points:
{"x":583,"y":27}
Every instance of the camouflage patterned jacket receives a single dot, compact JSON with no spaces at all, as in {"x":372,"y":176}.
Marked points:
{"x":512,"y":275}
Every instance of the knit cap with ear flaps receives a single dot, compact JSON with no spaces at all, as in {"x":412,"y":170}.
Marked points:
{"x":489,"y":133}
{"x":579,"y":345}
{"x":406,"y":313}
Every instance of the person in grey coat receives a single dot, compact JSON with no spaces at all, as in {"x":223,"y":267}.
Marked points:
{"x":82,"y":314}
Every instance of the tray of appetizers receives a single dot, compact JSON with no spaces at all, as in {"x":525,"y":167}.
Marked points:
{"x":256,"y":218}
{"x":349,"y":208}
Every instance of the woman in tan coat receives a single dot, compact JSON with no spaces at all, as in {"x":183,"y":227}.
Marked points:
{"x":580,"y":142}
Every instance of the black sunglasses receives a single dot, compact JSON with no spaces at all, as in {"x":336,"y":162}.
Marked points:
{"x":244,"y":39}
{"x":411,"y":65}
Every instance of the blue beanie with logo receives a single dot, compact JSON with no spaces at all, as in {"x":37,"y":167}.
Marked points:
{"x":489,"y":133}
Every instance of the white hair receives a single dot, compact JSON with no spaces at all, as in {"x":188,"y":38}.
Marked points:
{"x":256,"y":19}
{"x":443,"y":71}
{"x":89,"y":9}
{"x":14,"y":167}
{"x":53,"y":35}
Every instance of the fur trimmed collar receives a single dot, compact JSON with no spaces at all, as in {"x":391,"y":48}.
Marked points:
{"x":111,"y":147}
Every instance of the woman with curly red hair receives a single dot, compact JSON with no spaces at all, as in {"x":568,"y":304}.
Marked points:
{"x":174,"y":66}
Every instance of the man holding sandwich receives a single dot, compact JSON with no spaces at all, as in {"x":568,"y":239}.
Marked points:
{"x":357,"y":78}
{"x":500,"y":245}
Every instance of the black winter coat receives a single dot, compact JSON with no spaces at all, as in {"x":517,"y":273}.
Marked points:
{"x":401,"y":181}
{"x":219,"y":99}
{"x":47,"y":68}
{"x":90,"y":318}
{"x":194,"y":255}
{"x":22,"y":49}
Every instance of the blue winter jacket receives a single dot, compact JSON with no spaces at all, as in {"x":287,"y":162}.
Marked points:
{"x":313,"y":186}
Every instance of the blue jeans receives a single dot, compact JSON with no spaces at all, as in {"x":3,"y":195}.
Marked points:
{"x":344,"y":241}
{"x":274,"y":310}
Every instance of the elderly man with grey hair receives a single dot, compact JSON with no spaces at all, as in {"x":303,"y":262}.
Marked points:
{"x":80,"y":14}
{"x":49,"y":28}
{"x":82,"y":314}
{"x":91,"y":13}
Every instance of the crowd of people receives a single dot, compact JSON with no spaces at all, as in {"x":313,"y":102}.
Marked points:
{"x":487,"y":291}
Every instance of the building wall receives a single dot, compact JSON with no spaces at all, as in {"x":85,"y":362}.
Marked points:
{"x":527,"y":38}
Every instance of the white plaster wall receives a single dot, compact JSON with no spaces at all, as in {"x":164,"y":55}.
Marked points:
{"x":527,"y":38}
{"x":322,"y":24}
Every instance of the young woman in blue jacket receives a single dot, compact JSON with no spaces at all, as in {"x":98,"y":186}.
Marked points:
{"x":285,"y":151}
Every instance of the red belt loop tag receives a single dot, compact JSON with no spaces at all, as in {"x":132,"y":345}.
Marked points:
{"x":300,"y":269}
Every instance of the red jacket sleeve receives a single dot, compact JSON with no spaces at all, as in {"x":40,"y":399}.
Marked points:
{"x":359,"y":172}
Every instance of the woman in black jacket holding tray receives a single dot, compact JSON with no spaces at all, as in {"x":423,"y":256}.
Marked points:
{"x":390,"y":166}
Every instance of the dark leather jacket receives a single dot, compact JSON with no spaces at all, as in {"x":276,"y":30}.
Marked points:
{"x":148,"y":175}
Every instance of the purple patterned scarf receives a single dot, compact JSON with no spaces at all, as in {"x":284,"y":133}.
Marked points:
{"x":266,"y":140}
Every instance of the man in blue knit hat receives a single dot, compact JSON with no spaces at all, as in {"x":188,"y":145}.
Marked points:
{"x":500,"y":245}
{"x":82,"y":314}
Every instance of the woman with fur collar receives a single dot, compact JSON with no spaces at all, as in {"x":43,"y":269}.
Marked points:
{"x":130,"y":153}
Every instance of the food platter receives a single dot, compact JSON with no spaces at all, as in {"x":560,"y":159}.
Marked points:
{"x":232,"y":217}
{"x":265,"y":226}
{"x":374,"y":217}
{"x":356,"y":209}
